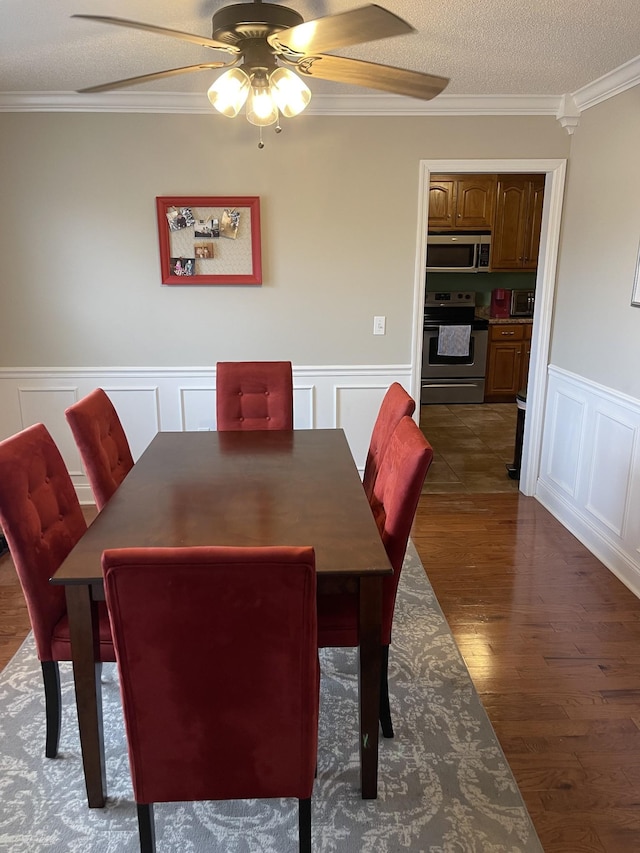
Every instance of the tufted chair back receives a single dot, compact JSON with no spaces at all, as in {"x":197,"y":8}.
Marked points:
{"x":395,"y":405}
{"x":102,"y":443}
{"x":394,"y":501}
{"x":42,"y":521}
{"x":254,"y":395}
{"x":219,"y":673}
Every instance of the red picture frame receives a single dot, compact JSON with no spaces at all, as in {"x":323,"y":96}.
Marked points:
{"x":237,"y":261}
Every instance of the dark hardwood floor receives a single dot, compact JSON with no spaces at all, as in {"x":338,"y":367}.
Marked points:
{"x":552,"y":641}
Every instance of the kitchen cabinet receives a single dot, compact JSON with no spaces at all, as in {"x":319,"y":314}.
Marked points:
{"x":515,"y":240}
{"x":461,"y":202}
{"x":507,"y":361}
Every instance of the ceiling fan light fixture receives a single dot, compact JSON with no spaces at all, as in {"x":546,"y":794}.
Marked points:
{"x":230,"y":91}
{"x":261,"y":107}
{"x":289,"y":92}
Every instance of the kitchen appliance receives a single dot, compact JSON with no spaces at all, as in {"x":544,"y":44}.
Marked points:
{"x":500,"y":303}
{"x":454,"y":374}
{"x":522,"y":302}
{"x":458,"y":252}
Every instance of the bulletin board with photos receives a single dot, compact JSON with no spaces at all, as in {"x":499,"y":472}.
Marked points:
{"x":209,"y":239}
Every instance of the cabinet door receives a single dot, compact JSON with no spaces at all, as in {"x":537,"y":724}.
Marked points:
{"x":533,"y":225}
{"x":504,"y":363}
{"x":442,"y":202}
{"x":507,"y":238}
{"x":474,"y":201}
{"x":503,"y":372}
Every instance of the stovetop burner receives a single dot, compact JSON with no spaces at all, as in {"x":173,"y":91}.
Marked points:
{"x":457,"y":307}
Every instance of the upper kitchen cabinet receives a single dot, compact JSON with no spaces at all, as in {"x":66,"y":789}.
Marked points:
{"x":461,"y":202}
{"x":515,"y":241}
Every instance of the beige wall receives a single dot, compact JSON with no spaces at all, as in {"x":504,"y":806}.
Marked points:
{"x":80,"y":281}
{"x":596,"y":333}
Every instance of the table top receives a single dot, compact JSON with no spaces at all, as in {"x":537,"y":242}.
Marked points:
{"x":253,"y":488}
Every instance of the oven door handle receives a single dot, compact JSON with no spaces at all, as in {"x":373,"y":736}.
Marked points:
{"x":451,"y":384}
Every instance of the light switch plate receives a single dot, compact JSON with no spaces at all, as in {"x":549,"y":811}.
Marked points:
{"x":379,"y":325}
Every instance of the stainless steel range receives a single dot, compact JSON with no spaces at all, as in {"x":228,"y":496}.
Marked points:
{"x":454,"y":352}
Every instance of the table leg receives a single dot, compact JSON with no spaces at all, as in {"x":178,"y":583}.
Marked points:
{"x":369,"y":682}
{"x":83,"y":628}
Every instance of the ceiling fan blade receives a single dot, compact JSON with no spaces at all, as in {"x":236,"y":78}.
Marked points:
{"x":147,"y":78}
{"x":163,"y":31}
{"x":356,"y":26}
{"x":400,"y":81}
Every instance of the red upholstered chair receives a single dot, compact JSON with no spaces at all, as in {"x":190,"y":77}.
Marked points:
{"x":102,"y":443}
{"x":250,"y":730}
{"x":396,"y":403}
{"x":42,"y":521}
{"x":394,"y":501}
{"x":254,"y":395}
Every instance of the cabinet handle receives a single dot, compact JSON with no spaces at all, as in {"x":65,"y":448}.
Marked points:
{"x":505,"y":334}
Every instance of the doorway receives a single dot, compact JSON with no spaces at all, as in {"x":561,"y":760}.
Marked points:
{"x":554,"y":171}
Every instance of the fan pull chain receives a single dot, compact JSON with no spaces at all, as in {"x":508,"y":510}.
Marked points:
{"x":277,"y":129}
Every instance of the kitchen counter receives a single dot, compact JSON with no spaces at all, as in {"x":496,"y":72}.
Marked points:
{"x":482,"y":313}
{"x":521,"y":321}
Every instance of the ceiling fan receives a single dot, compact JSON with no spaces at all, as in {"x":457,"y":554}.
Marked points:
{"x":260,"y":35}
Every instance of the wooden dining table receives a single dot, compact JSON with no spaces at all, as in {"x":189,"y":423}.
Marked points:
{"x":245,"y":488}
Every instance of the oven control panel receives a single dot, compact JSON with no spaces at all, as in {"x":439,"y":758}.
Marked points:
{"x":447,"y":299}
{"x":454,"y":297}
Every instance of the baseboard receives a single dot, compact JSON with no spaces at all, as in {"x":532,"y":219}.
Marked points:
{"x":600,"y":546}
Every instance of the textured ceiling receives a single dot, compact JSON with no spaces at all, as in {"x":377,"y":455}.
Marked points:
{"x":486,"y":47}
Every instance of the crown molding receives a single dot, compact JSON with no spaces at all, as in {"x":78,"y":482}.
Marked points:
{"x":619,"y":80}
{"x":371,"y":105}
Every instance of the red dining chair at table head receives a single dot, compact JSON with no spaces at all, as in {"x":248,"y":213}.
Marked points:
{"x":219,"y":674}
{"x":394,"y":501}
{"x":102,"y":443}
{"x":254,"y":395}
{"x":42,"y":521}
{"x":396,"y":404}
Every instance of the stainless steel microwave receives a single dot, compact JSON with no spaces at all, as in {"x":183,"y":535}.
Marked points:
{"x":522,"y":303}
{"x":458,"y":252}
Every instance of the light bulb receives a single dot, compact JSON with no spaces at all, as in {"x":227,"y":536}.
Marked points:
{"x":289,"y":92}
{"x":229,"y":92}
{"x":261,"y":108}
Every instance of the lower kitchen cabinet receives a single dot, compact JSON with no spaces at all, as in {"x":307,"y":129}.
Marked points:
{"x":507,"y":361}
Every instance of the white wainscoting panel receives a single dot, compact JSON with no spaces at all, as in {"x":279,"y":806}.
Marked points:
{"x":148,"y":400}
{"x":563,"y":449}
{"x":356,"y":407}
{"x":197,"y":409}
{"x":590,"y":471}
{"x":607,"y":496}
{"x":138,"y":408}
{"x":44,"y":404}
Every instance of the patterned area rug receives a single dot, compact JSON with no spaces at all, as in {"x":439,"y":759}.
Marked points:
{"x":444,"y":784}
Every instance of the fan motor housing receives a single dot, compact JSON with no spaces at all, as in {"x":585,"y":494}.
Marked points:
{"x":241,"y":21}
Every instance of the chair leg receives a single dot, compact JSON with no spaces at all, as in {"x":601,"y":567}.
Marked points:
{"x":385,"y":708}
{"x":304,"y":825}
{"x":146,"y":828}
{"x":52,"y":704}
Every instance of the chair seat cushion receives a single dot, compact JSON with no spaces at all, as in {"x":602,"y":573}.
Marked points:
{"x":61,"y":641}
{"x":337,"y":620}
